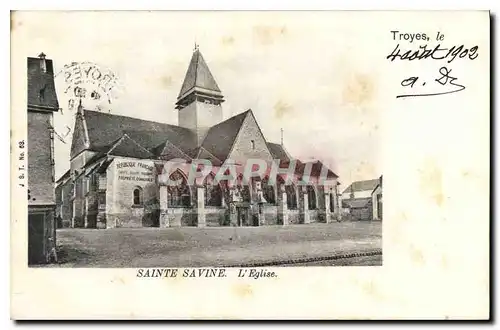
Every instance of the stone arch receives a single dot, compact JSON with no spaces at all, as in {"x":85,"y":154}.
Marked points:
{"x":179,"y":195}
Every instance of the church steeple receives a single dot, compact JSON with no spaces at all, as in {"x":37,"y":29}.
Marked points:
{"x":200,"y":99}
{"x":198,"y":81}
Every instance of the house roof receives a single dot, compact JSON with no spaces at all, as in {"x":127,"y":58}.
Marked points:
{"x":41,"y":88}
{"x":362,"y":186}
{"x":355,"y":203}
{"x":198,"y":77}
{"x":220,"y":138}
{"x":104,"y":129}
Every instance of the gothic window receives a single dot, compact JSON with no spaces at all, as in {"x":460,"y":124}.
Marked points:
{"x":213,"y":193}
{"x":291,"y":197}
{"x":179,"y":195}
{"x":268,"y":192}
{"x":137,"y":196}
{"x":311,"y":197}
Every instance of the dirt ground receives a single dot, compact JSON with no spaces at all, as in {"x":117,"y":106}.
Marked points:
{"x":216,"y":246}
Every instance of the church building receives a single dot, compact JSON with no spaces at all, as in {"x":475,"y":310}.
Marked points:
{"x":118,"y":163}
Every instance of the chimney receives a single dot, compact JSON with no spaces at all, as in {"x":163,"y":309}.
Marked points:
{"x":43,"y":64}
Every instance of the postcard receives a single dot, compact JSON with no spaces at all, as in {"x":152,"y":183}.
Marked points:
{"x":250,"y":165}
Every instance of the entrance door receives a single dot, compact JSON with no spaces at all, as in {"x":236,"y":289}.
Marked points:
{"x":36,"y":238}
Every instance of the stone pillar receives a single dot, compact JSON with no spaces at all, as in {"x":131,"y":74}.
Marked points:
{"x":86,"y":212}
{"x":260,"y":204}
{"x":200,"y":206}
{"x":328,"y":215}
{"x":304,"y":206}
{"x":164,"y":217}
{"x":282,"y":206}
{"x":233,"y":215}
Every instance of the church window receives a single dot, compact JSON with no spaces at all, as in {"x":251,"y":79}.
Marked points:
{"x":138,"y":196}
{"x":253,"y":144}
{"x":311,"y":198}
{"x":179,"y":195}
{"x":268,"y":192}
{"x":291,"y":197}
{"x":213,"y":195}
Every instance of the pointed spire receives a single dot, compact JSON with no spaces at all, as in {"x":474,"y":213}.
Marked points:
{"x":198,"y":77}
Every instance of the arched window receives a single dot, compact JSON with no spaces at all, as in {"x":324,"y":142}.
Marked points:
{"x":268,"y":191}
{"x":213,"y":192}
{"x":311,"y":197}
{"x":179,"y":195}
{"x":291,"y":197}
{"x":137,"y":196}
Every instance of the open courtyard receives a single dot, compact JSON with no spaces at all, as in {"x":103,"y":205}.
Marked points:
{"x":218,"y":246}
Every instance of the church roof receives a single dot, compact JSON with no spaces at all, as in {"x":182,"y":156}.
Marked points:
{"x":41,"y":89}
{"x":104,"y":129}
{"x":220,"y":138}
{"x":198,"y":77}
{"x":277,"y":151}
{"x":126,"y":147}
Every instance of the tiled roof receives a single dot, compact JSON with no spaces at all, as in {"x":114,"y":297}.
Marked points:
{"x":168,"y":151}
{"x":199,"y":76}
{"x":355,"y":203}
{"x":205,"y":154}
{"x":126,"y":147}
{"x":220,"y":138}
{"x":362,"y":186}
{"x":277,"y":151}
{"x":105,"y":129}
{"x":41,"y":88}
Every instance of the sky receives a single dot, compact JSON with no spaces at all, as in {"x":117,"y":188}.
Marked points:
{"x":306,"y":75}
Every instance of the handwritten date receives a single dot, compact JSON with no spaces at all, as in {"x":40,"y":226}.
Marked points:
{"x":444,"y":79}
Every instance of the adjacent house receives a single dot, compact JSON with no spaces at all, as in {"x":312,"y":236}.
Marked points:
{"x":64,"y":206}
{"x":357,"y":198}
{"x":42,"y":103}
{"x":377,"y":200}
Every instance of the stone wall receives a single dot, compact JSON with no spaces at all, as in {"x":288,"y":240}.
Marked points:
{"x":40,"y":159}
{"x":123,"y":176}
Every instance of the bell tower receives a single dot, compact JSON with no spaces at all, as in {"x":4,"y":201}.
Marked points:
{"x":200,"y":99}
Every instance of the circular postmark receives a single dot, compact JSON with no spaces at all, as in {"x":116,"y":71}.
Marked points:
{"x":90,"y":82}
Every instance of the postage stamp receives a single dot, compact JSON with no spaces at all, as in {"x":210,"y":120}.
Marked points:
{"x":335,"y":161}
